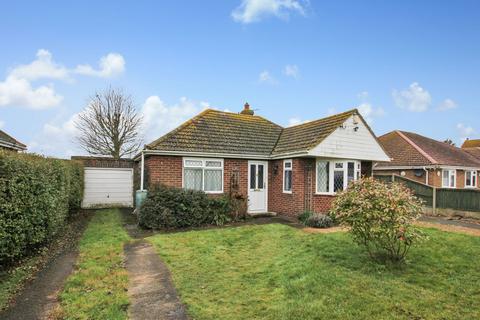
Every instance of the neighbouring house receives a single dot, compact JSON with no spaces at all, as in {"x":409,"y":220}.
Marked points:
{"x":282,"y":170}
{"x":472,"y":147}
{"x":7,"y":142}
{"x":428,"y":161}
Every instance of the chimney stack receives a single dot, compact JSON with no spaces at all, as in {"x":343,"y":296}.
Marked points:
{"x":247,"y":110}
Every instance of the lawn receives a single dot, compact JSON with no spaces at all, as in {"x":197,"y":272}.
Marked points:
{"x":98,"y":287}
{"x":278,"y":272}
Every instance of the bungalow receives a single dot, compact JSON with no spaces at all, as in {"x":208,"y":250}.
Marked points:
{"x":428,"y":161}
{"x":7,"y":142}
{"x":281,"y":170}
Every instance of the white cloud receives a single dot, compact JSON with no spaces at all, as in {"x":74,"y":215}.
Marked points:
{"x":415,"y":98}
{"x":465,"y":131}
{"x":43,"y":67}
{"x":266,"y":77}
{"x":368,"y":112}
{"x":447,"y":104}
{"x":19,"y":92}
{"x":255,"y":10}
{"x":57,"y":138}
{"x":17,"y":89}
{"x":159,"y":118}
{"x":110,"y":65}
{"x":291,"y":70}
{"x":294,"y":121}
{"x":2,"y":124}
{"x":331,"y":111}
{"x":363,"y":95}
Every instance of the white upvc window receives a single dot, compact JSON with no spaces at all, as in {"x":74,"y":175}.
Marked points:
{"x":449,"y":178}
{"x":287,"y":175}
{"x":333,"y":176}
{"x":203,"y":174}
{"x":470,"y":179}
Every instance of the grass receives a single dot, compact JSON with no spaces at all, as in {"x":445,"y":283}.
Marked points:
{"x":277,"y":272}
{"x":98,"y":287}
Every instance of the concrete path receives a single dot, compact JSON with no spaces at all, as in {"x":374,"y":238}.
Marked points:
{"x":450,"y":222}
{"x":39,"y":296}
{"x":151,"y":291}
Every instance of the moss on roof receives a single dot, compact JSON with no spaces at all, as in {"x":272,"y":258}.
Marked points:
{"x":214,"y":131}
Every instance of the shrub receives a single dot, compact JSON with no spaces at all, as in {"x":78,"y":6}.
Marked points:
{"x":380,"y":217}
{"x":319,"y":220}
{"x":36,"y":195}
{"x":303,"y":217}
{"x":171,"y":208}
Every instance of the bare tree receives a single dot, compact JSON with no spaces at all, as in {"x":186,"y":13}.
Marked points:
{"x":110,"y":125}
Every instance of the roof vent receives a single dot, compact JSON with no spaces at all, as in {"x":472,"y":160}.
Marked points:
{"x":247,"y":110}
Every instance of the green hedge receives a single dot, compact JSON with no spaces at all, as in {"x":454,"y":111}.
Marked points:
{"x":37,"y":195}
{"x":172,"y":208}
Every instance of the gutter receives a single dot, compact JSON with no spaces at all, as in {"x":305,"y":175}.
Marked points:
{"x":12,"y":146}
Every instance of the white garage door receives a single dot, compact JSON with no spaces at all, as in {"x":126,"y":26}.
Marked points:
{"x":108,"y":187}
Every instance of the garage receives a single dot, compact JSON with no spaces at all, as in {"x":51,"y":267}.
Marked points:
{"x":108,"y":187}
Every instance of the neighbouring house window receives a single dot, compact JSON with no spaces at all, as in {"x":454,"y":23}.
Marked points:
{"x":335,"y":175}
{"x":287,"y":176}
{"x":203,"y":174}
{"x":448,"y":178}
{"x":471,"y":179}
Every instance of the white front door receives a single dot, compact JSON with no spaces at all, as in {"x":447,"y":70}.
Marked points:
{"x":257,"y":186}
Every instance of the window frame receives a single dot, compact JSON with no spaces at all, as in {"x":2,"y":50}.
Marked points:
{"x":449,"y":178}
{"x":332,"y":163}
{"x":204,"y":167}
{"x":474,"y":174}
{"x":285,"y":169}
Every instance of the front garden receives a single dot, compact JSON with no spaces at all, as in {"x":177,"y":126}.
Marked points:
{"x":278,"y":272}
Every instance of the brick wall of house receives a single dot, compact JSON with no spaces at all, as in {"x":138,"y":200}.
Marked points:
{"x":167,"y":170}
{"x":163,"y":170}
{"x":293,"y":203}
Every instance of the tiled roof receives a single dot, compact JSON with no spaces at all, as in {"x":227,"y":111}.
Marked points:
{"x":411,"y":149}
{"x":474,"y":143}
{"x":308,"y":135}
{"x":214,"y":131}
{"x":473,"y":151}
{"x":5,"y":138}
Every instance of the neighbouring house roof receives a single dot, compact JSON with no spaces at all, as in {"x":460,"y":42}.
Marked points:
{"x":473,"y":151}
{"x":474,"y":143}
{"x":305,"y":136}
{"x":10,"y":142}
{"x":414,"y":150}
{"x":214,"y":131}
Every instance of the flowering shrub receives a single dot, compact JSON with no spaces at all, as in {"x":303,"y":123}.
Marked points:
{"x":380,"y":217}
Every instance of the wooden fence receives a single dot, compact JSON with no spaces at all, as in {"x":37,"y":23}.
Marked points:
{"x":445,"y":198}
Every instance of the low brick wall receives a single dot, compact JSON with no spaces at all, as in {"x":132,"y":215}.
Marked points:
{"x":103,"y":162}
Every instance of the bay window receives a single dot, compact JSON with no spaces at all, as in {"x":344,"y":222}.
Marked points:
{"x":203,"y":174}
{"x":287,"y":176}
{"x":471,"y":179}
{"x":448,"y":178}
{"x":334,"y":175}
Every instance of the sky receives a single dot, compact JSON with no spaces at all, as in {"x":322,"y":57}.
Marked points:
{"x":406,"y":65}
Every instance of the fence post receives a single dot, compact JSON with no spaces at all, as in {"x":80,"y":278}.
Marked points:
{"x":434,"y":201}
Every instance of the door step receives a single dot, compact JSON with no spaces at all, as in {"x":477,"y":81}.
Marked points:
{"x":262,"y":214}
